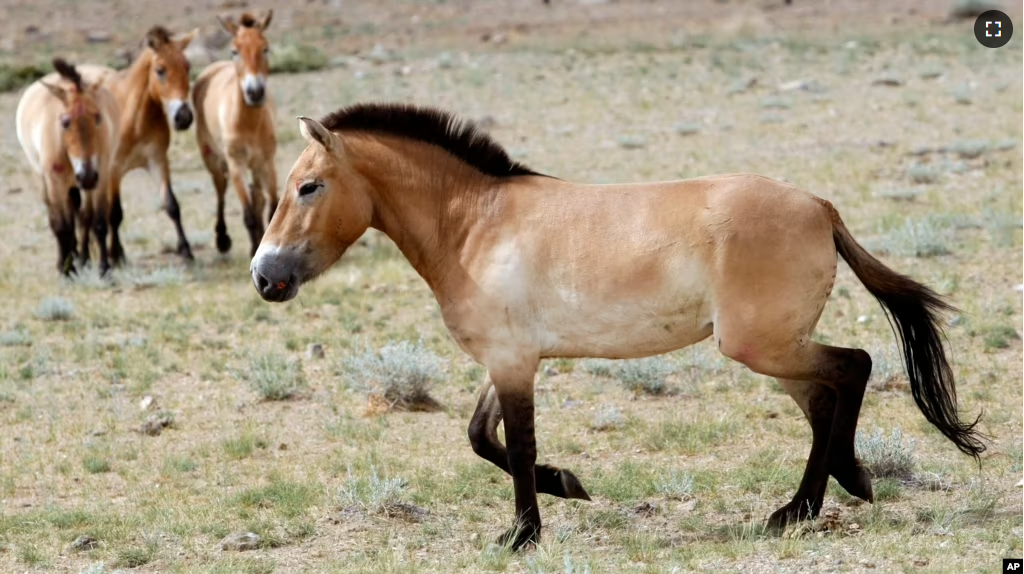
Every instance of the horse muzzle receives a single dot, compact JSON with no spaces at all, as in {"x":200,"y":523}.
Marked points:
{"x":274,"y":274}
{"x":254,"y":92}
{"x":86,"y":175}
{"x":181,"y":114}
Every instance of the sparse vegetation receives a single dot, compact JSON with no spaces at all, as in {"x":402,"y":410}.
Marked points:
{"x":643,"y":376}
{"x":292,"y":58}
{"x":887,"y":457}
{"x":399,"y":373}
{"x":55,"y":309}
{"x":275,"y":378}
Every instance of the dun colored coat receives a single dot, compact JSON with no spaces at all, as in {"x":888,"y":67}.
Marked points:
{"x":526,"y":267}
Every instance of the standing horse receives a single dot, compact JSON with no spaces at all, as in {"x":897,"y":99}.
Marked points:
{"x":154,"y":87}
{"x":527,"y":267}
{"x":235,"y":126}
{"x":69,"y":133}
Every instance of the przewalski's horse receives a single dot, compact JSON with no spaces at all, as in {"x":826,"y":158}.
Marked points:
{"x":68,"y":130}
{"x":152,"y":89}
{"x":526,"y":267}
{"x":235,"y":126}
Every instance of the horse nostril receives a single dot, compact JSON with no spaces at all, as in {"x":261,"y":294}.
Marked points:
{"x":262,"y":283}
{"x":183,"y":118}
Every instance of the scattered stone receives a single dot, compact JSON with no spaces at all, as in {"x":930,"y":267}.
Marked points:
{"x":146,"y":402}
{"x":315,"y":351}
{"x":862,"y":319}
{"x":687,"y":129}
{"x":240,"y":542}
{"x":550,"y":371}
{"x":99,"y":37}
{"x":742,"y":85}
{"x":1019,"y":288}
{"x":83,"y":543}
{"x":632,"y":142}
{"x":155,"y":424}
{"x":887,"y":80}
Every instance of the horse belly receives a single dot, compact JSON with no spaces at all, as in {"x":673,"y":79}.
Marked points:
{"x":636,"y":321}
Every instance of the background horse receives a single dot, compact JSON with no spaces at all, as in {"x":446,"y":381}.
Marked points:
{"x":69,"y":133}
{"x":526,"y":267}
{"x":235,"y":126}
{"x":154,"y":87}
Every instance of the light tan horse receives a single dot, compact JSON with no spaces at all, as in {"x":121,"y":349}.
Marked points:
{"x":154,"y":87}
{"x":68,"y":130}
{"x":235,"y":126}
{"x":526,"y":267}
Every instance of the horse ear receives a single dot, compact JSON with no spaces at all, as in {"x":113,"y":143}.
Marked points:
{"x":57,"y":91}
{"x":265,"y":22}
{"x":228,"y":24}
{"x":185,"y":40}
{"x":315,"y":132}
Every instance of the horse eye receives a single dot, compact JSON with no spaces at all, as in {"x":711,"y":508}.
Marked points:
{"x":308,"y":188}
{"x":98,"y":119}
{"x":161,"y":72}
{"x":234,"y":53}
{"x":266,"y":51}
{"x":65,"y":121}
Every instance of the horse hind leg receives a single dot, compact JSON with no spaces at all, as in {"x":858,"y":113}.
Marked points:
{"x":818,"y":403}
{"x":483,"y":436}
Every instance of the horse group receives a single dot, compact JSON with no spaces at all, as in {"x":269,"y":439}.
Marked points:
{"x":83,"y":128}
{"x":523,"y":266}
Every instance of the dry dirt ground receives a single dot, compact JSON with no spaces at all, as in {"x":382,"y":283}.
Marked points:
{"x":896,"y":115}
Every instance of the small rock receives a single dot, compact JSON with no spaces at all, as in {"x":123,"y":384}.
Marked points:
{"x":550,"y":371}
{"x":83,"y":542}
{"x":240,"y":542}
{"x":1019,"y":288}
{"x":99,"y":37}
{"x":315,"y":351}
{"x":794,"y":85}
{"x":146,"y":402}
{"x":889,"y":80}
{"x":156,"y":424}
{"x":632,"y":142}
{"x":862,"y":319}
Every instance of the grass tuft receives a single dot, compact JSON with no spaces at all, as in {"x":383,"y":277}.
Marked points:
{"x":292,"y":58}
{"x":275,"y":378}
{"x":15,"y":338}
{"x":399,"y":373}
{"x":55,"y":309}
{"x":643,"y":376}
{"x":676,"y":485}
{"x":928,"y":237}
{"x":373,"y":495}
{"x":887,"y":457}
{"x":608,"y":417}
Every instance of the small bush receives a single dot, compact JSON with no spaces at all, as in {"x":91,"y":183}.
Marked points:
{"x":243,"y":446}
{"x":597,"y":367}
{"x":55,"y":309}
{"x":923,"y":173}
{"x":643,"y":376}
{"x":927,"y":237}
{"x":373,"y":495}
{"x":399,"y":373}
{"x":290,"y":58}
{"x":15,"y":338}
{"x":999,"y":337}
{"x":159,"y":277}
{"x":675,"y":484}
{"x":275,"y":378}
{"x":15,"y":77}
{"x":95,"y":464}
{"x":887,"y":457}
{"x":608,"y":417}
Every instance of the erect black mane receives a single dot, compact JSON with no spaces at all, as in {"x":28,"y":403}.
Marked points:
{"x":247,"y":20}
{"x":68,"y":72}
{"x":459,"y":137}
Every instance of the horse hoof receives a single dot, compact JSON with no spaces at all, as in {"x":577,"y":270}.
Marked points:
{"x":223,"y":243}
{"x":571,"y":487}
{"x":185,"y":252}
{"x":857,"y":481}
{"x":793,"y":512}
{"x":519,"y":537}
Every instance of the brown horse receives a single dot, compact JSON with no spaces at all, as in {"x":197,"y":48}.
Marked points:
{"x":235,"y":126}
{"x":526,"y":267}
{"x":68,"y":130}
{"x":154,"y":87}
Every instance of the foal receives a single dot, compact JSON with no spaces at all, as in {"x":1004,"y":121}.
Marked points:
{"x":154,"y":87}
{"x":526,"y":267}
{"x":69,"y":133}
{"x":235,"y":126}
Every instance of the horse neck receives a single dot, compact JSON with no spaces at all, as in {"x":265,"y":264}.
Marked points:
{"x":133,"y":93}
{"x":425,"y":200}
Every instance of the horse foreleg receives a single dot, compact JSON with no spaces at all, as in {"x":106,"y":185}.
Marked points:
{"x":86,"y":215}
{"x":483,"y":436}
{"x":115,"y":218}
{"x":98,"y":205}
{"x":266,"y":175}
{"x":220,"y":184}
{"x":253,"y":223}
{"x":161,"y":167}
{"x":514,"y":388}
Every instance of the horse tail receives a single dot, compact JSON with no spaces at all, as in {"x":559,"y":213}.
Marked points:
{"x":914,"y":313}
